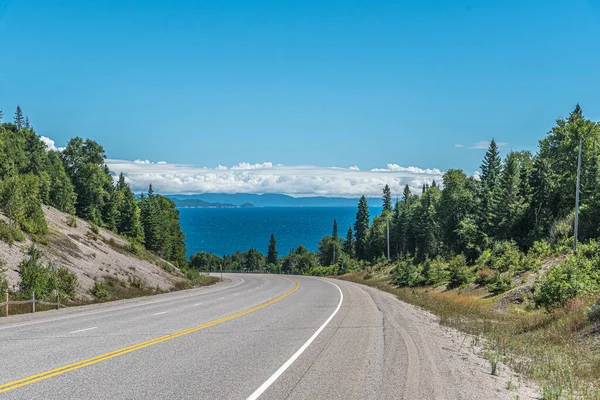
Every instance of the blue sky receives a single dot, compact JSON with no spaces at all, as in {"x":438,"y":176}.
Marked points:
{"x":321,"y":83}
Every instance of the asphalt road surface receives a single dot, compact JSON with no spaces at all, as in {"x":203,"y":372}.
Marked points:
{"x":252,"y":336}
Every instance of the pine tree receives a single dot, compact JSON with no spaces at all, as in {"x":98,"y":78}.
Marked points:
{"x":1,"y":116}
{"x":19,"y":119}
{"x":490,"y":172}
{"x":387,"y":199}
{"x":433,"y":183}
{"x":349,"y":243}
{"x":150,"y":221}
{"x":27,"y":123}
{"x":509,"y":200}
{"x":406,"y":197}
{"x":361,"y":227}
{"x":335,"y":230}
{"x":272,"y":252}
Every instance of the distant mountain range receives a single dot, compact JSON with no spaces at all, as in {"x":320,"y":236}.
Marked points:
{"x":198,"y":203}
{"x":238,"y":200}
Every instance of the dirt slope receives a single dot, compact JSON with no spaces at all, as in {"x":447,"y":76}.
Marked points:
{"x":91,"y":257}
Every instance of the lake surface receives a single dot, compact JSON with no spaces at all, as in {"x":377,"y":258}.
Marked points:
{"x":227,"y":230}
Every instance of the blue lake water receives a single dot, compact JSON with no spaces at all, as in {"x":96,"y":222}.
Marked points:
{"x":227,"y":230}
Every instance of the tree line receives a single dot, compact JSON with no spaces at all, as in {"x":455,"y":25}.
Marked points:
{"x":481,"y":229}
{"x":77,"y":181}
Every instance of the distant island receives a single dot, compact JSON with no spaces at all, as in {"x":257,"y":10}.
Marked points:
{"x":198,"y":203}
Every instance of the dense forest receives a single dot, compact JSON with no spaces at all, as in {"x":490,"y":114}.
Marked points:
{"x":483,"y":229}
{"x":77,"y":181}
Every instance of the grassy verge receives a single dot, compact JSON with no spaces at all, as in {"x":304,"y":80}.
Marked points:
{"x":559,"y":350}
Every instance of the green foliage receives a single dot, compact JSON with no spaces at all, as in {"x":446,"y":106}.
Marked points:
{"x":34,"y":277}
{"x":321,"y":271}
{"x":100,"y":292}
{"x":10,"y":235}
{"x":387,"y":199}
{"x":272,"y":251}
{"x":361,"y":228}
{"x":66,"y":283}
{"x":540,"y":249}
{"x":576,"y":276}
{"x":458,"y":272}
{"x":409,"y":274}
{"x":500,"y":283}
{"x":72,"y":221}
{"x":4,"y":286}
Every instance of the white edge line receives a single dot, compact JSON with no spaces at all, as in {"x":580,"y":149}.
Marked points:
{"x":117,"y":308}
{"x":83,"y":330}
{"x":258,"y":392}
{"x":160,"y":313}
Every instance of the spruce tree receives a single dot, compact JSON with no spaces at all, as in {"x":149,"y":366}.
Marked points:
{"x":19,"y":119}
{"x":27,"y":123}
{"x":387,"y":199}
{"x":361,"y":227}
{"x":349,"y":243}
{"x":490,"y":173}
{"x":335,"y":230}
{"x":150,"y":221}
{"x":1,"y":116}
{"x":272,"y":252}
{"x":406,"y":195}
{"x":433,"y":183}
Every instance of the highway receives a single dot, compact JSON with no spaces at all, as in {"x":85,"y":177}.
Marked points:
{"x":249,"y":337}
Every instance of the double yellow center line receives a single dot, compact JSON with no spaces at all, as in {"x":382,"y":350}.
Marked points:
{"x":103,"y":357}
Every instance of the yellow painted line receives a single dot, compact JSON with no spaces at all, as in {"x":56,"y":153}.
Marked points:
{"x":107,"y":356}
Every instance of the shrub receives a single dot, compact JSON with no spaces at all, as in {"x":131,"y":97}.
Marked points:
{"x":99,"y":292}
{"x":437,"y":272}
{"x":34,"y":277}
{"x":540,"y":249}
{"x":10,"y":235}
{"x":66,"y":282}
{"x":484,"y":276}
{"x":167,"y":268}
{"x":72,"y":221}
{"x":458,"y":272}
{"x":500,"y":283}
{"x":409,"y":274}
{"x":3,"y":280}
{"x":94,"y":228}
{"x":576,"y":276}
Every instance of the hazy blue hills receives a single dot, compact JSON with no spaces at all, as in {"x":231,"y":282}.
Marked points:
{"x":224,"y":200}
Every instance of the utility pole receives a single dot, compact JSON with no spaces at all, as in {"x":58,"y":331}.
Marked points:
{"x":222,"y":268}
{"x":387,"y":222}
{"x":577,"y":197}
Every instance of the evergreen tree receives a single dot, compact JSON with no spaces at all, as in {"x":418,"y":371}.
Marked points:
{"x":150,"y":221}
{"x":510,"y":203}
{"x":19,"y":120}
{"x":349,"y":243}
{"x":387,"y":199}
{"x":361,"y":228}
{"x":272,"y":252}
{"x":27,"y":123}
{"x":490,"y":172}
{"x":1,"y":116}
{"x":128,"y":218}
{"x":335,"y":230}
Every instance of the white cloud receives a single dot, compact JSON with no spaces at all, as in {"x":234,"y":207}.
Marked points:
{"x":354,"y":168}
{"x":397,"y":168}
{"x":142,"y":162}
{"x":269,"y":178}
{"x":50,"y":144}
{"x":477,"y":175}
{"x":484,"y":144}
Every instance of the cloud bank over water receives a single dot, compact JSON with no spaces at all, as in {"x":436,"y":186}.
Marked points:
{"x":272,"y":178}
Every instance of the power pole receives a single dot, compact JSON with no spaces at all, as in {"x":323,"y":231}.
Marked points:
{"x":577,"y":197}
{"x":387,"y":222}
